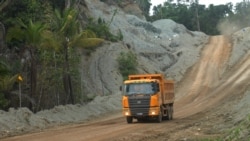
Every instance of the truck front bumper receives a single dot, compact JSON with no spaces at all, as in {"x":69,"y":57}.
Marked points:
{"x":152,"y":111}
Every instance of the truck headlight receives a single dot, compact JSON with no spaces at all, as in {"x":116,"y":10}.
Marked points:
{"x":126,"y":112}
{"x":154,"y":111}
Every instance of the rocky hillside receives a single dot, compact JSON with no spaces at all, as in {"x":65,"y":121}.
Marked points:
{"x":161,"y":47}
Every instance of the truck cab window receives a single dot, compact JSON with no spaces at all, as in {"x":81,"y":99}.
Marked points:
{"x":139,"y":88}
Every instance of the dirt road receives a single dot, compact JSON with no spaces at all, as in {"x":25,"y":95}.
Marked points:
{"x":203,"y":98}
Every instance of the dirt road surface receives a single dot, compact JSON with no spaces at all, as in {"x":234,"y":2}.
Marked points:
{"x":203,"y":100}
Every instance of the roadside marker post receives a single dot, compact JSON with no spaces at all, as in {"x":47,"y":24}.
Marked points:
{"x":20,"y":79}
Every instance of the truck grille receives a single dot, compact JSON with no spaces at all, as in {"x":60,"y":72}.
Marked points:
{"x":139,"y":105}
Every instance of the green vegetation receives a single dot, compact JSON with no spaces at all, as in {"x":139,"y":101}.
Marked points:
{"x":197,"y":17}
{"x":3,"y":101}
{"x":47,"y":36}
{"x":238,"y":133}
{"x":241,"y":131}
{"x":127,"y":64}
{"x":101,"y":29}
{"x":144,"y":5}
{"x":7,"y":81}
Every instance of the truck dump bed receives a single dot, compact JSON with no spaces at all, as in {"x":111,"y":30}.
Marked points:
{"x":168,"y":93}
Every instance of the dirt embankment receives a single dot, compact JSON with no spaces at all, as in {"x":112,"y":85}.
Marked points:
{"x":205,"y":98}
{"x":197,"y":88}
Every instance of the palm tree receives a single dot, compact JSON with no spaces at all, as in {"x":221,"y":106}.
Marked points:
{"x":63,"y":35}
{"x":4,"y":4}
{"x":6,"y":83}
{"x":69,"y":35}
{"x":32,"y":35}
{"x":2,"y":36}
{"x":196,"y":4}
{"x":6,"y":80}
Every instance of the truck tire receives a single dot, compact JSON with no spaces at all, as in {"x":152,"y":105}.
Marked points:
{"x":129,"y":119}
{"x":159,"y":117}
{"x":172,"y":111}
{"x":169,"y":117}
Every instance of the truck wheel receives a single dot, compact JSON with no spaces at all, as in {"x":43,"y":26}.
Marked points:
{"x":169,"y":117}
{"x":172,"y":111}
{"x":159,"y":118}
{"x":129,"y":119}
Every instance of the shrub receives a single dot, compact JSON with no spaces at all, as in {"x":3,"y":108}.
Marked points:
{"x":102,"y":30}
{"x":3,"y":101}
{"x":127,"y":64}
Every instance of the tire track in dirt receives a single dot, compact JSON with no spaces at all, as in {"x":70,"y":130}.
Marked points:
{"x":205,"y":76}
{"x":213,"y":80}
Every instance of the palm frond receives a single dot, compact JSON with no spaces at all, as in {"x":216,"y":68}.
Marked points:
{"x":89,"y":42}
{"x":15,"y":33}
{"x":21,"y":23}
{"x":34,"y":32}
{"x":50,"y":42}
{"x":87,"y":34}
{"x":69,"y":23}
{"x":30,"y":33}
{"x":4,"y":69}
{"x":7,"y":82}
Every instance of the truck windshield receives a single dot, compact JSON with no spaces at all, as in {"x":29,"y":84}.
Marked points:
{"x":139,"y":88}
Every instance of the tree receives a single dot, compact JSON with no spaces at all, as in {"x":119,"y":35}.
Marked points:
{"x":68,"y":34}
{"x":50,"y":47}
{"x":195,"y":16}
{"x":144,"y":6}
{"x":196,"y":3}
{"x":7,"y":81}
{"x":2,"y":36}
{"x":218,"y":12}
{"x":31,"y":36}
{"x":241,"y":18}
{"x":4,"y":4}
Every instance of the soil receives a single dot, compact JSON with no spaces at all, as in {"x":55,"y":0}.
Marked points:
{"x":205,"y":97}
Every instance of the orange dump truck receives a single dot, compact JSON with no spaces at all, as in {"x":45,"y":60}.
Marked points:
{"x":148,"y":96}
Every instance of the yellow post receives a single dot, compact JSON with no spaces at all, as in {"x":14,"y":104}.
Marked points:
{"x":20,"y":95}
{"x":20,"y":79}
